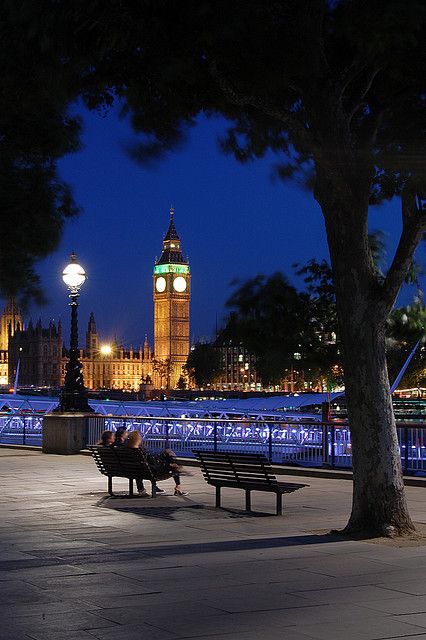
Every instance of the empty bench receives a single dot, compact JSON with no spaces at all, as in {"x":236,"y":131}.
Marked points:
{"x":119,"y":462}
{"x":251,"y":472}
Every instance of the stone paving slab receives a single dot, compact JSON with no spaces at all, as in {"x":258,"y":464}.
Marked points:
{"x":76,"y":564}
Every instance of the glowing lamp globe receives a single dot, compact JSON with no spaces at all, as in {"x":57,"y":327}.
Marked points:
{"x":74,"y":275}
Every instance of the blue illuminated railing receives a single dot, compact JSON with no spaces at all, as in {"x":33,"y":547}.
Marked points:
{"x":300,"y":443}
{"x":21,"y":428}
{"x":310,"y":444}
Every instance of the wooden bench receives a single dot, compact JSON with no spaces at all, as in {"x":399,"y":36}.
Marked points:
{"x":120,"y":462}
{"x":251,"y":472}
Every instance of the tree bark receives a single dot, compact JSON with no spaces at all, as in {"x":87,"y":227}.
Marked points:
{"x":379,"y":505}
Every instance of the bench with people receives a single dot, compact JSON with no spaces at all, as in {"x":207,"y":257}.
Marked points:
{"x":122,"y":454}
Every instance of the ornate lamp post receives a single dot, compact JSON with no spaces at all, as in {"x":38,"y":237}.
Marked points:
{"x":74,"y":394}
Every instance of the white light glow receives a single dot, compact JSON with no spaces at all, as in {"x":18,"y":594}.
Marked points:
{"x":106,"y":349}
{"x":160,"y":284}
{"x":74,"y":275}
{"x":179,"y":284}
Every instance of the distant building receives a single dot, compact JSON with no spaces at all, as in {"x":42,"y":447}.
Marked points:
{"x":111,"y":366}
{"x":238,"y":368}
{"x":239,"y":371}
{"x":10,"y":322}
{"x":42,"y":356}
{"x":172,"y":293}
{"x":39,"y":353}
{"x":42,"y":359}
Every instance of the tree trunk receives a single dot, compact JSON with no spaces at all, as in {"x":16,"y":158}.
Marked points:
{"x":379,"y":505}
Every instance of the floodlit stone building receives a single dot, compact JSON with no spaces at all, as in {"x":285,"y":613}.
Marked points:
{"x":172,"y":293}
{"x":38,"y":353}
{"x":42,"y":356}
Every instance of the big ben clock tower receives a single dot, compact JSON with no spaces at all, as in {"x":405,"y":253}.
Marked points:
{"x":172,"y":288}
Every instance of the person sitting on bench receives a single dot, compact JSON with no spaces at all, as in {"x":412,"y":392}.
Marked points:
{"x":107,"y":439}
{"x":160,"y":464}
{"x":121,"y":436}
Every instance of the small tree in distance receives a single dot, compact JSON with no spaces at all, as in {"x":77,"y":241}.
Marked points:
{"x":204,"y":364}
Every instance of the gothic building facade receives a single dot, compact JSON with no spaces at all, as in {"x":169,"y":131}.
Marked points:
{"x":111,"y":366}
{"x":41,"y":356}
{"x":172,"y":293}
{"x":38,"y":353}
{"x":10,"y":322}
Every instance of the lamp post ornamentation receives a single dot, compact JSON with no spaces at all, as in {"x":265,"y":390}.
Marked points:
{"x":74,"y":394}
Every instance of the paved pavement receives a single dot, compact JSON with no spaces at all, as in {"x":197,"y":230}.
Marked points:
{"x":78,"y":565}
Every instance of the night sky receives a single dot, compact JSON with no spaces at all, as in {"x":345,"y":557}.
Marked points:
{"x":234,"y":221}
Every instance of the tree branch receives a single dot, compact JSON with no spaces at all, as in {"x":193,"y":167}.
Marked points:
{"x":285,"y":116}
{"x":350,"y":73}
{"x":363,"y":90}
{"x":414,"y":225}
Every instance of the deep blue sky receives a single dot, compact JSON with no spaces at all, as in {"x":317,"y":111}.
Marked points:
{"x":234,"y":222}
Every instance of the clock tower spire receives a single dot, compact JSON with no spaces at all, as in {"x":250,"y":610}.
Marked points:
{"x":172,"y":281}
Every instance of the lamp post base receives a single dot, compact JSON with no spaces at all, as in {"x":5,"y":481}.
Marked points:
{"x":73,"y":401}
{"x":66,"y":433}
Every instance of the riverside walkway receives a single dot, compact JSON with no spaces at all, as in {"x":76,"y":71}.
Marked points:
{"x":77,"y":565}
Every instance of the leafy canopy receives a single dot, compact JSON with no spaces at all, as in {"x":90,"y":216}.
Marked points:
{"x":325,"y":84}
{"x":203,"y":364}
{"x":280,"y":326}
{"x":35,"y":131}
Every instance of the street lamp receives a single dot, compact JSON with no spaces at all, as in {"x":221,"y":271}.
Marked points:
{"x":74,"y":394}
{"x":105,"y":351}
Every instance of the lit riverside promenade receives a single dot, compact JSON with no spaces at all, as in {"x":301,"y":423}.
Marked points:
{"x":76,"y":565}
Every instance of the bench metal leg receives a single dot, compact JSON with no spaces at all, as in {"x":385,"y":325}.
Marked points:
{"x":110,"y":486}
{"x":130,"y":487}
{"x":248,"y":500}
{"x":217,"y":496}
{"x":279,"y":504}
{"x":153,"y":491}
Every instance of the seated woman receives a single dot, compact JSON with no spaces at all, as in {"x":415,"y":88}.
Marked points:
{"x":161,"y":463}
{"x":121,"y":436}
{"x":107,"y":439}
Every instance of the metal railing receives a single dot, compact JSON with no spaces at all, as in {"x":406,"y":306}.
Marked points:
{"x":21,"y":428}
{"x":308,"y":444}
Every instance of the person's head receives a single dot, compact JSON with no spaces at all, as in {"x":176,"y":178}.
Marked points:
{"x":107,"y":438}
{"x":134,"y":440}
{"x":121,"y":434}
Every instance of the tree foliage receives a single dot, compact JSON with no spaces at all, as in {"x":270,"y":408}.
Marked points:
{"x":268,"y":316}
{"x":407,"y":326}
{"x":35,"y":131}
{"x":204,"y":364}
{"x":284,"y":327}
{"x":163,"y":369}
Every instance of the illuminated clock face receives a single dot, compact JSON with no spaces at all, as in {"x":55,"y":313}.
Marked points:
{"x":179,"y":284}
{"x":160,"y":284}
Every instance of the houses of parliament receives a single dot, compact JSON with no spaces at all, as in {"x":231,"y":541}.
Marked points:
{"x":40,"y":356}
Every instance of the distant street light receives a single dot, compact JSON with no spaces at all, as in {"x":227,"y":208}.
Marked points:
{"x":106,"y":349}
{"x":74,"y":394}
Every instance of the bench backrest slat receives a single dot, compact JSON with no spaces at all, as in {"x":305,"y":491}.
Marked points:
{"x":241,"y":468}
{"x":122,"y":462}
